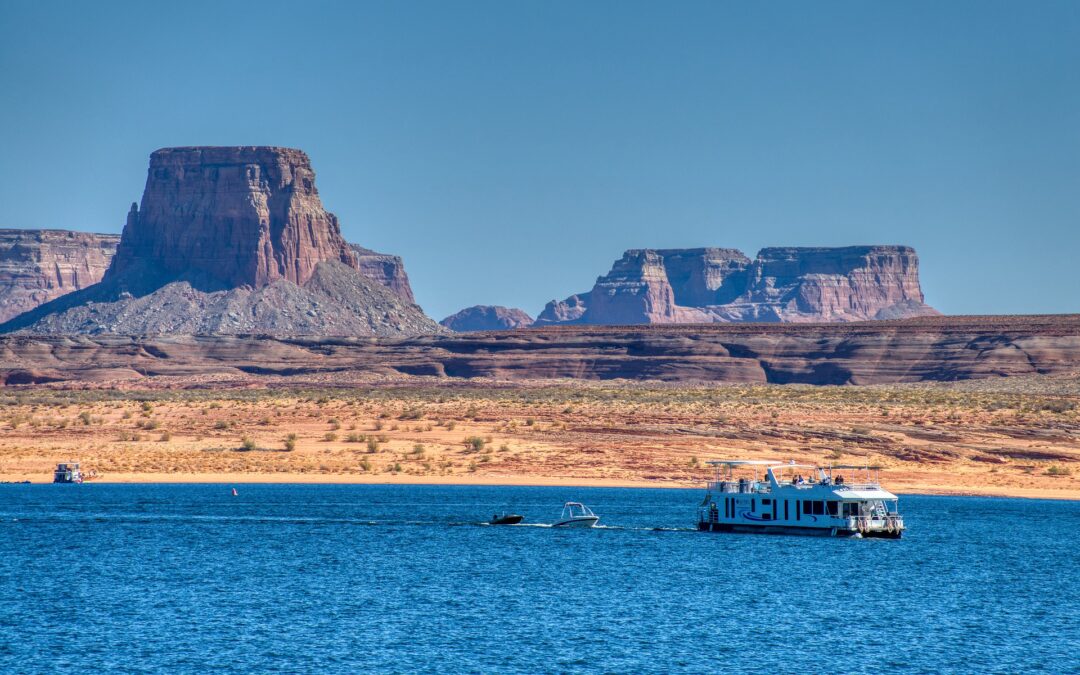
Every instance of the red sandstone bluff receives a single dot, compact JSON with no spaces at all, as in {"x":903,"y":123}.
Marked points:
{"x":244,"y":215}
{"x":234,"y":241}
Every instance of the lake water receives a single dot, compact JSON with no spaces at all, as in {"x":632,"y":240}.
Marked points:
{"x":187,"y":578}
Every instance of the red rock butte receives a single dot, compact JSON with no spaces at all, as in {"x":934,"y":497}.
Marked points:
{"x":247,"y":216}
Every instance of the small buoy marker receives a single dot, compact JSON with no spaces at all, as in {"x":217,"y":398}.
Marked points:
{"x":234,"y":492}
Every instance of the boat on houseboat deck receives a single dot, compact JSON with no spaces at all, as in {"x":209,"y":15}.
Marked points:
{"x":774,"y":497}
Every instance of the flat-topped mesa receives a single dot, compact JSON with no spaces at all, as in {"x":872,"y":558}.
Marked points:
{"x":848,"y":283}
{"x":247,"y":216}
{"x":789,"y":284}
{"x":636,"y":291}
{"x":37,"y":266}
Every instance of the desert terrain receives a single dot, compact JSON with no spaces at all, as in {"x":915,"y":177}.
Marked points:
{"x":1017,"y":436}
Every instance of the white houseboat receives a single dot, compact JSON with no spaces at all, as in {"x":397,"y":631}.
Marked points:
{"x":67,"y":472}
{"x":773,"y":497}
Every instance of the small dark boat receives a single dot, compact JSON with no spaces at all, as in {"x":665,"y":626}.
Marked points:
{"x":508,"y":519}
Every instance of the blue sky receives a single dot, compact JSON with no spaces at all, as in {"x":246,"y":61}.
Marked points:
{"x":510,"y":151}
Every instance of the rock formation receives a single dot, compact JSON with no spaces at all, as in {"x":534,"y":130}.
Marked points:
{"x":37,"y":266}
{"x":226,"y":241}
{"x":386,"y":269}
{"x":242,"y":215}
{"x":487,"y":317}
{"x":709,"y":285}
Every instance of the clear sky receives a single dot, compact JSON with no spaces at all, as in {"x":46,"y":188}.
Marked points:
{"x":510,"y":151}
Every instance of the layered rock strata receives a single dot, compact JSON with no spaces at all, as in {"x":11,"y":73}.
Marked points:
{"x":487,"y":317}
{"x":708,"y":285}
{"x":37,"y":266}
{"x":242,"y":215}
{"x":913,"y":350}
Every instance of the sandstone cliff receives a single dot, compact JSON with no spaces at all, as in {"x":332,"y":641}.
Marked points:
{"x":385,"y":269}
{"x":487,"y":317}
{"x":242,"y":215}
{"x":228,"y":241}
{"x":707,"y":285}
{"x":37,"y":266}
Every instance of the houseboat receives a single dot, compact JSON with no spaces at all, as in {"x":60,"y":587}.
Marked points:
{"x":774,"y":497}
{"x":67,"y":472}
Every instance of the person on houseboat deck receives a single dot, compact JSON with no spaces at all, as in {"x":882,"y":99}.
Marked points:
{"x":839,"y":480}
{"x":798,"y":480}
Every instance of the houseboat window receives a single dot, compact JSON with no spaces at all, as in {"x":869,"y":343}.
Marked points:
{"x":814,"y":507}
{"x":832,"y":508}
{"x":785,"y":510}
{"x":766,"y":502}
{"x":753,"y":506}
{"x":798,"y":510}
{"x":774,"y":510}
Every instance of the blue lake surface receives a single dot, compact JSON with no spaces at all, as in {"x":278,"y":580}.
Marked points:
{"x":303,"y":578}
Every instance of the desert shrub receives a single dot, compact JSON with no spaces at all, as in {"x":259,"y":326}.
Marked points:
{"x":372,"y":445}
{"x":85,"y":418}
{"x":165,"y":436}
{"x":475,"y":443}
{"x":330,"y":436}
{"x":1058,"y":471}
{"x":248,"y":444}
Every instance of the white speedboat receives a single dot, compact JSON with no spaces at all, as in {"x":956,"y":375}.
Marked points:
{"x":575,"y":514}
{"x":777,"y":498}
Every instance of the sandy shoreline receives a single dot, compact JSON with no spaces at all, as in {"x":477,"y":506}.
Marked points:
{"x":1019,"y":438}
{"x":900,"y":488}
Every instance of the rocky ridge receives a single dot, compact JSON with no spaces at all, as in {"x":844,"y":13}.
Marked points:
{"x":37,"y":266}
{"x":715,"y":285}
{"x":487,"y":317}
{"x":877,"y":352}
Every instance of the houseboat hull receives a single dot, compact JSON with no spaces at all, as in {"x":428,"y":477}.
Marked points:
{"x":577,"y":522}
{"x":745,"y":528}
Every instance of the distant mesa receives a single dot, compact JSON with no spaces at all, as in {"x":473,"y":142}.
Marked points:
{"x":487,"y":317}
{"x":37,"y":266}
{"x":721,"y":285}
{"x":232,"y":240}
